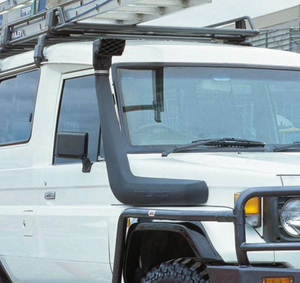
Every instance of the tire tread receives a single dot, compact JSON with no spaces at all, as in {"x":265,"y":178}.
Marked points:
{"x":189,"y":270}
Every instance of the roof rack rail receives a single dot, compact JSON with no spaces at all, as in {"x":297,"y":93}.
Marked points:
{"x":74,"y":20}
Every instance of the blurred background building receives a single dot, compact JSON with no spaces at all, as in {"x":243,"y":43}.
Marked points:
{"x":278,"y":20}
{"x":279,"y":30}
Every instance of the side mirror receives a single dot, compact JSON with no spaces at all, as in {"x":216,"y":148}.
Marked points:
{"x":74,"y":145}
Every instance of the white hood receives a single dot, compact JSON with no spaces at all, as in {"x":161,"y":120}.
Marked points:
{"x":230,"y":171}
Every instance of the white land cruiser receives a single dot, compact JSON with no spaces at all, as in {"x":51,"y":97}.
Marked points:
{"x":189,"y":126}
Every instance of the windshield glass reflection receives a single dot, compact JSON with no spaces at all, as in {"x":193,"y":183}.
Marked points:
{"x":176,"y":105}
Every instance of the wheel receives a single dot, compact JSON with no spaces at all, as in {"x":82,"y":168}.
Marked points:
{"x":183,"y":270}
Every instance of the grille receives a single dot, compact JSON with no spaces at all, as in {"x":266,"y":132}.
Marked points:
{"x":111,"y":47}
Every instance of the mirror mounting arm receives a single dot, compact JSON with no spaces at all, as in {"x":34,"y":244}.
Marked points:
{"x":86,"y":165}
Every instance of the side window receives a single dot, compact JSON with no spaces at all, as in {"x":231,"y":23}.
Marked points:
{"x":17,"y":102}
{"x":79,"y":113}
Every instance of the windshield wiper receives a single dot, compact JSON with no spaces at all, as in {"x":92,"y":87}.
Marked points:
{"x":223,"y":142}
{"x":284,"y":147}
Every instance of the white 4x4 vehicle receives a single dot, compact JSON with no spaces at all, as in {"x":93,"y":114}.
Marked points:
{"x":169,"y":133}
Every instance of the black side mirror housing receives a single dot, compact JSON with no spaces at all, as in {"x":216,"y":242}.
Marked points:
{"x":74,"y":145}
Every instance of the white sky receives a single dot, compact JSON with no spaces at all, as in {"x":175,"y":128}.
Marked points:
{"x":222,"y":10}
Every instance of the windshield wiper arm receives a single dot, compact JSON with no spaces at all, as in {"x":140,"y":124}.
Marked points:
{"x":284,"y":147}
{"x":223,"y":142}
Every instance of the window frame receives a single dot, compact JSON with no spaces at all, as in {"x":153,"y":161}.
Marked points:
{"x":64,"y":77}
{"x":15,"y":75}
{"x":152,"y":65}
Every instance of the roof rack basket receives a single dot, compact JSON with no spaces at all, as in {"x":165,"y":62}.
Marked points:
{"x":27,"y":25}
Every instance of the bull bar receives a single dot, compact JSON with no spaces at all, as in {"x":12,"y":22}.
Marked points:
{"x":244,"y":273}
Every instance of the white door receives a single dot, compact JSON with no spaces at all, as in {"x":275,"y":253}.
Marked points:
{"x":74,"y":207}
{"x":18,"y":177}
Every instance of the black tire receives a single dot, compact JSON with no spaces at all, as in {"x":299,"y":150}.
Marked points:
{"x":182,"y":270}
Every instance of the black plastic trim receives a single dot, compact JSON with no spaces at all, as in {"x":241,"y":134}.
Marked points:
{"x":4,"y":277}
{"x":181,"y":215}
{"x":195,"y":236}
{"x":237,"y":216}
{"x":72,"y":144}
{"x":150,"y":243}
{"x":128,"y":188}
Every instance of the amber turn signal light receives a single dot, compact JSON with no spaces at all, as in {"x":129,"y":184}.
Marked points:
{"x":278,"y":280}
{"x":252,"y":205}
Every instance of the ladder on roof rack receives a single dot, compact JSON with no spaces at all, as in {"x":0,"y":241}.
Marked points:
{"x":38,"y":23}
{"x":103,"y":11}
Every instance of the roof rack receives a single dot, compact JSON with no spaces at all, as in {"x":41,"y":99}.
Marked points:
{"x":35,"y":24}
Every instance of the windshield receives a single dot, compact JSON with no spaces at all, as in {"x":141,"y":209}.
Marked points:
{"x":174,"y":105}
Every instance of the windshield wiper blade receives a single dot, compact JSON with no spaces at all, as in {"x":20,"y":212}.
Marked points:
{"x":284,"y":147}
{"x":223,"y":142}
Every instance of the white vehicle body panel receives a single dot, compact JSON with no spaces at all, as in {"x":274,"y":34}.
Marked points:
{"x":71,"y":238}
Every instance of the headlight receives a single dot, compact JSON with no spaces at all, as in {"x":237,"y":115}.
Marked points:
{"x":290,"y":217}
